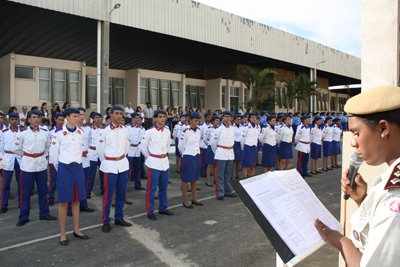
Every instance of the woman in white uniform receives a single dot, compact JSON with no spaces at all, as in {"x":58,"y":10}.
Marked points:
{"x":374,"y":120}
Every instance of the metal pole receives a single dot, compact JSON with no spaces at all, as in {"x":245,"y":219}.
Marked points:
{"x":99,"y":64}
{"x":105,"y":53}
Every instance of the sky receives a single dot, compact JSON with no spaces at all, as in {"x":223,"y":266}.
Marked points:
{"x":334,"y":23}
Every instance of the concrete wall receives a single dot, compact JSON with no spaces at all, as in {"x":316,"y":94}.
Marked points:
{"x":5,"y":82}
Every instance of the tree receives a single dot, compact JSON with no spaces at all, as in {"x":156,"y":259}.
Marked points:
{"x":261,"y":84}
{"x":300,"y":88}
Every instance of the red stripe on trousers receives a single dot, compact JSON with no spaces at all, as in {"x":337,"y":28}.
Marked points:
{"x":21,"y":189}
{"x":51,"y":178}
{"x":105,"y":196}
{"x":148,"y":191}
{"x":300,"y":160}
{"x":180,"y":166}
{"x":216,"y":178}
{"x":2,"y":186}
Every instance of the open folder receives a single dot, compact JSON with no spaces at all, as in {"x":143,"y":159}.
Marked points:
{"x":286,"y":208}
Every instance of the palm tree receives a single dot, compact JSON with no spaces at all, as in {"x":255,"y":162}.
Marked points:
{"x":305,"y":89}
{"x":262,"y":86}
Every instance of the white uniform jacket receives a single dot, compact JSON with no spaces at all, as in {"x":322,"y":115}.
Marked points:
{"x":285,"y":134}
{"x":376,"y":223}
{"x":112,"y":148}
{"x":222,"y":142}
{"x":250,"y":135}
{"x":327,"y":133}
{"x":154,"y":146}
{"x":316,"y":135}
{"x":94,"y":140}
{"x":268,"y":136}
{"x":34,"y":147}
{"x":7,"y":147}
{"x":337,"y":132}
{"x":303,"y":139}
{"x":86,"y":144}
{"x":203,"y":127}
{"x":189,"y":142}
{"x":66,"y":147}
{"x":238,"y":132}
{"x":136,"y":133}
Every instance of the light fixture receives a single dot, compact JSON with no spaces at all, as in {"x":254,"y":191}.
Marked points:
{"x":116,"y":6}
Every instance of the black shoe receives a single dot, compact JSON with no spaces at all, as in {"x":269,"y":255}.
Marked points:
{"x":151,"y":217}
{"x":325,"y":170}
{"x":69,"y":213}
{"x":127,"y":202}
{"x":233,"y":195}
{"x":189,"y":190}
{"x":330,"y":169}
{"x":197,"y":203}
{"x":319,"y":172}
{"x":307,"y":175}
{"x":51,"y":202}
{"x":106,"y":228}
{"x":89,"y":196}
{"x":48,"y":218}
{"x":113,"y":205}
{"x":64,"y":242}
{"x":166,"y":212}
{"x":3,"y":210}
{"x":198,"y":189}
{"x":83,"y":236}
{"x":209,"y":185}
{"x":187,"y":206}
{"x":140,"y":188}
{"x":87,"y":209}
{"x":11,"y":197}
{"x":22,"y":223}
{"x":220,"y":198}
{"x":122,"y":223}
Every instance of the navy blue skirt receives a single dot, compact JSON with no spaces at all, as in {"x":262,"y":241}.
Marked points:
{"x":70,"y":182}
{"x":190,"y":168}
{"x":327,"y":148}
{"x":285,"y":150}
{"x":315,"y":151}
{"x":177,"y":153}
{"x":210,"y":156}
{"x":237,"y":149}
{"x":249,"y":156}
{"x":268,"y":156}
{"x":336,"y":147}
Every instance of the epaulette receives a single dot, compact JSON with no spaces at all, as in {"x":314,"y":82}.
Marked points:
{"x":303,"y":126}
{"x":5,"y":130}
{"x":52,"y":128}
{"x":44,"y":129}
{"x":166,"y":127}
{"x":394,"y":179}
{"x":81,"y":128}
{"x":57,"y":130}
{"x":185,"y":130}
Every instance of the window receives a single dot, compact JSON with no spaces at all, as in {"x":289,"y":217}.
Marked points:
{"x":118,"y":92}
{"x":175,"y":93}
{"x":165,"y":90}
{"x":60,"y":86}
{"x":194,"y":97}
{"x":223,"y":96}
{"x":24,"y":72}
{"x":92,"y":89}
{"x":144,"y":87}
{"x":234,"y":98}
{"x":246,"y":95}
{"x":202,"y":97}
{"x":74,"y":85}
{"x":155,"y":90}
{"x":44,"y":84}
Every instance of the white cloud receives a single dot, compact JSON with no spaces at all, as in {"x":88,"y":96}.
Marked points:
{"x":335,"y":23}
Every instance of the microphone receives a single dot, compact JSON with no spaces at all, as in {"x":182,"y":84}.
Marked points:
{"x":355,"y":162}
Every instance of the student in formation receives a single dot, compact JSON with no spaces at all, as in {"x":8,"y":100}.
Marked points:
{"x":249,"y":147}
{"x":285,"y":140}
{"x":278,"y":126}
{"x":179,"y":127}
{"x":268,"y":140}
{"x":66,"y":156}
{"x":33,"y":144}
{"x":210,"y":155}
{"x":155,"y":147}
{"x":190,"y":151}
{"x":237,"y":148}
{"x":327,"y":137}
{"x":316,"y":144}
{"x":222,"y":143}
{"x":11,"y":160}
{"x":112,"y":147}
{"x":59,"y":118}
{"x":203,"y":147}
{"x":302,"y":140}
{"x":136,"y":133}
{"x":337,"y":132}
{"x":95,"y":130}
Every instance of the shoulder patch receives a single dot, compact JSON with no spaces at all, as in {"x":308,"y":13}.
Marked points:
{"x":394,"y":179}
{"x":185,"y":130}
{"x":6,"y":129}
{"x":57,"y":130}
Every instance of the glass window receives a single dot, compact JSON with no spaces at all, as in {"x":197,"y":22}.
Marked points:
{"x":74,"y":77}
{"x":194,"y":96}
{"x":144,"y":85}
{"x":60,"y":85}
{"x":234,"y":98}
{"x":155,"y":90}
{"x":187,"y":96}
{"x":24,"y":72}
{"x":175,"y":93}
{"x":202,"y":97}
{"x":44,"y":84}
{"x":165,"y":93}
{"x":92,"y":89}
{"x":223,"y":96}
{"x":118,"y":93}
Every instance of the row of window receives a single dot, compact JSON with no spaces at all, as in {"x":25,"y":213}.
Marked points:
{"x":159,"y":92}
{"x":115,"y":90}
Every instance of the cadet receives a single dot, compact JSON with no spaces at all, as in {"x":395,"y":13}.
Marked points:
{"x":92,"y":154}
{"x":33,"y":144}
{"x":210,"y":156}
{"x":222,"y":143}
{"x":203,"y":147}
{"x":249,"y":146}
{"x":11,"y":160}
{"x":179,"y":127}
{"x":268,"y":140}
{"x":136,"y":133}
{"x":190,"y":151}
{"x":59,"y":117}
{"x":2,"y":125}
{"x":66,"y":155}
{"x":112,"y":148}
{"x":237,"y":148}
{"x":337,"y":132}
{"x":302,"y":140}
{"x":327,"y":137}
{"x":154,"y":147}
{"x":316,"y":141}
{"x":285,"y":140}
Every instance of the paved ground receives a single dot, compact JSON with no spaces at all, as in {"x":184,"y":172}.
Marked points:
{"x":222,"y":233}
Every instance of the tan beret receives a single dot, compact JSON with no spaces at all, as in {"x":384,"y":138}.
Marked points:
{"x":374,"y":100}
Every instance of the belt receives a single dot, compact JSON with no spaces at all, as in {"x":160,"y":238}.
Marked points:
{"x":85,"y":153}
{"x":34,"y":155}
{"x":8,"y":152}
{"x":135,"y":145}
{"x":115,"y":158}
{"x":92,"y":147}
{"x":225,"y":147}
{"x":158,"y":156}
{"x":304,"y":142}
